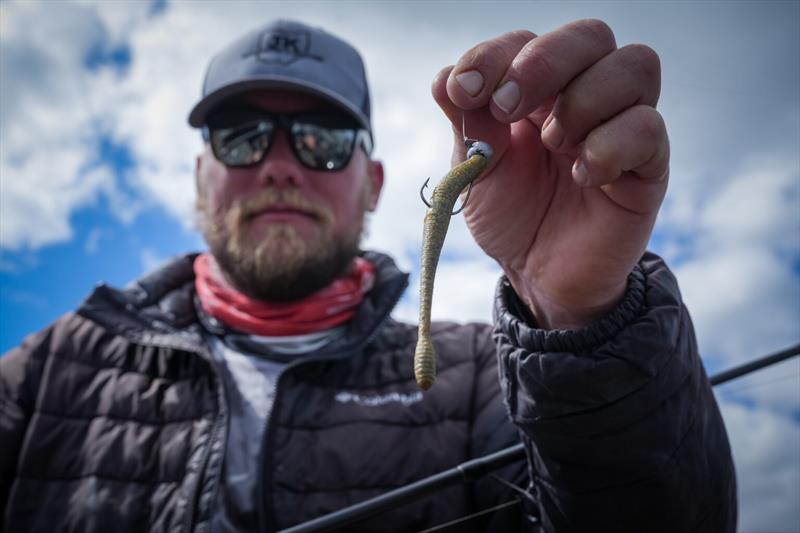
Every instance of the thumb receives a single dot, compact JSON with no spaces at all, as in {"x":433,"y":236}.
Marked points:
{"x":478,"y":124}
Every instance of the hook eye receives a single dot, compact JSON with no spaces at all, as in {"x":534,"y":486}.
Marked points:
{"x":467,"y":141}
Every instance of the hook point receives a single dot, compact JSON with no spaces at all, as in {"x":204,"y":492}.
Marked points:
{"x":457,"y":211}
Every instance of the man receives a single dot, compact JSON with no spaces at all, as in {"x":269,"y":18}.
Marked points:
{"x":263,"y":383}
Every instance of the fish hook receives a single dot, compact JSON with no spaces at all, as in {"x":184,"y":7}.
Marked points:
{"x":421,"y":195}
{"x":457,"y":211}
{"x":469,"y":143}
{"x":427,"y":203}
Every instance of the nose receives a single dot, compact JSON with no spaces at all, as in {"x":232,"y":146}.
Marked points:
{"x":280,"y":168}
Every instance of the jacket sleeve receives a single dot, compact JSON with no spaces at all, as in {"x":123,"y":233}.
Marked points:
{"x":20,"y":374}
{"x":620,"y":425}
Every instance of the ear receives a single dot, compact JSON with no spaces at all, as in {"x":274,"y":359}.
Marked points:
{"x":376,"y":181}
{"x":198,"y":164}
{"x":203,"y":165}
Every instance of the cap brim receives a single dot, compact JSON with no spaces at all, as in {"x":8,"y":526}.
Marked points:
{"x":198,"y":115}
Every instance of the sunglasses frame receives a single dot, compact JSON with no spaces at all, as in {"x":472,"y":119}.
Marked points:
{"x":286,"y":121}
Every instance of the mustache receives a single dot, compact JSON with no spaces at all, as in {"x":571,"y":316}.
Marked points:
{"x":268,"y":198}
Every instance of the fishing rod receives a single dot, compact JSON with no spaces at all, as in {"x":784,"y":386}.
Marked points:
{"x":477,"y":468}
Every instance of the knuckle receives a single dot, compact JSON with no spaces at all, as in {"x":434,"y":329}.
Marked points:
{"x":519,"y":36}
{"x":474,"y":57}
{"x":598,"y":31}
{"x":541,"y":59}
{"x":577,"y":106}
{"x":488,"y":52}
{"x":645,"y":60}
{"x":650,"y":124}
{"x":600,"y":159}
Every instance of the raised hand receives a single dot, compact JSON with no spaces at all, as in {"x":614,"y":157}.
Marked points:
{"x":580,"y":166}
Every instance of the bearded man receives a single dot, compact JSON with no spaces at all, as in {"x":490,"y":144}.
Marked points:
{"x":263,"y":383}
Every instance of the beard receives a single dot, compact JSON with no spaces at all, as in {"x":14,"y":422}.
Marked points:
{"x":279,"y":264}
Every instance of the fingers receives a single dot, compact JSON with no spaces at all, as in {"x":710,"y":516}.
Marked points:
{"x":474,"y":78}
{"x":622,"y":79}
{"x":586,"y":95}
{"x":477,"y":123}
{"x":517,"y":72}
{"x":633,"y":141}
{"x":439,"y":92}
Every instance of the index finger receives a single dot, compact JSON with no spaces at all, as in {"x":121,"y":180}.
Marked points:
{"x":478,"y":123}
{"x":547,"y":64}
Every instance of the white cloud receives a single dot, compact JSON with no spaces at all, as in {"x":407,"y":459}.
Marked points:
{"x":744,"y":302}
{"x":738,"y":274}
{"x":766,"y":451}
{"x":760,"y":205}
{"x":39,"y":194}
{"x":52,"y":114}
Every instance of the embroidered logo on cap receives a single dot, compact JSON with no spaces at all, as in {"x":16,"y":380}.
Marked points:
{"x":283,"y":47}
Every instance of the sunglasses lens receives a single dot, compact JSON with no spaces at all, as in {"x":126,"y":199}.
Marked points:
{"x":243,"y":145}
{"x":322,"y":146}
{"x":319,"y":141}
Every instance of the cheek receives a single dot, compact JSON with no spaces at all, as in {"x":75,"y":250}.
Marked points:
{"x":210,"y":198}
{"x":209,"y":179}
{"x":347,"y":199}
{"x":221,"y":191}
{"x":352,"y":214}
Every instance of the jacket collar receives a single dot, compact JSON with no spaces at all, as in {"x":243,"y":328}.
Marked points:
{"x":162,"y":303}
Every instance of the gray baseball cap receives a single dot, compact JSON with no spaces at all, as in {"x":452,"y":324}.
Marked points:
{"x":288,"y":54}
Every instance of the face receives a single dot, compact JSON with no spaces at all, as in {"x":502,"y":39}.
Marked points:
{"x":279,"y":230}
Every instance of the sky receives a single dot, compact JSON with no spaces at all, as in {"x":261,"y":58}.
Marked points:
{"x":96,"y":169}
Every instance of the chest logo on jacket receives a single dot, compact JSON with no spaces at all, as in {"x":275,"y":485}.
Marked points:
{"x":377,"y":400}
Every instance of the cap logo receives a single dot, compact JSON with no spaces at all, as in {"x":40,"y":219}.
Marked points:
{"x":283,"y":47}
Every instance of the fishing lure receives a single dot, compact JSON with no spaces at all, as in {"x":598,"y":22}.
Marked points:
{"x":437,"y":220}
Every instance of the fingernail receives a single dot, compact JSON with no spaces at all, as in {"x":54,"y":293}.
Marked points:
{"x":471,"y":81}
{"x":507,"y":96}
{"x":553,"y":134}
{"x":579,"y":173}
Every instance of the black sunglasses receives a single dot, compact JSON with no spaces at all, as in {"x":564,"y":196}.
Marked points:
{"x":325,"y":141}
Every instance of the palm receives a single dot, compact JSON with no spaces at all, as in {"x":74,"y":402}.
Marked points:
{"x":529,"y":215}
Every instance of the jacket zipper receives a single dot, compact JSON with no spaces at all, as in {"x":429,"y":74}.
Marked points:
{"x":193,"y":501}
{"x":265,"y":522}
{"x":264,"y":460}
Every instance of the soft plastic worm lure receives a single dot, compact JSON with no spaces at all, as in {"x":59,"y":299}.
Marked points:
{"x":437,"y":220}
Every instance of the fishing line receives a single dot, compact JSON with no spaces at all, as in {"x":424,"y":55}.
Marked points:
{"x":470,"y":517}
{"x":748,"y":386}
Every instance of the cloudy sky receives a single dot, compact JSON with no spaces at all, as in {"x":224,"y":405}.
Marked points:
{"x":96,"y":165}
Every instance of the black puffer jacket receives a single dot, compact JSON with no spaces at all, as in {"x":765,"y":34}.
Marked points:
{"x":113,"y":418}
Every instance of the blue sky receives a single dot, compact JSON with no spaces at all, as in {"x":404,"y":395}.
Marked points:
{"x":96,"y":167}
